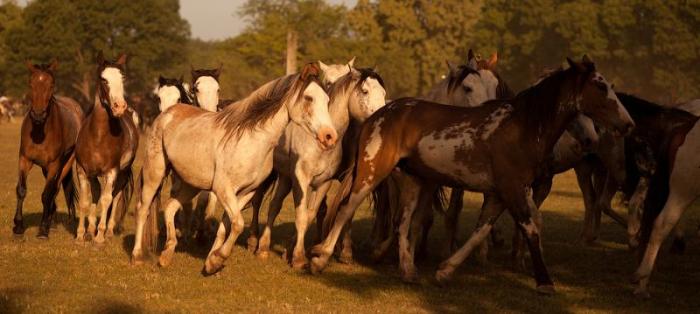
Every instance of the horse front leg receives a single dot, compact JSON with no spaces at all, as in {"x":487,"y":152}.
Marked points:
{"x":452,"y":218}
{"x":584,"y":175}
{"x":233,"y":206}
{"x":104,"y":203}
{"x":635,"y":208}
{"x":182,"y":195}
{"x":301,"y":201}
{"x":317,"y":205}
{"x":48,"y":198}
{"x":24,"y":166}
{"x":411,"y":200}
{"x":84,"y":202}
{"x":284,"y":186}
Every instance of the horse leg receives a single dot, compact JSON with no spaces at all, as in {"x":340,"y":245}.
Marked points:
{"x":490,"y":211}
{"x":539,"y":193}
{"x":605,"y":200}
{"x":84,"y":202}
{"x":95,"y":191}
{"x":182,"y":195}
{"x":317,"y":201}
{"x":104,"y":203}
{"x":678,"y":244}
{"x":152,"y":175}
{"x":300,"y":193}
{"x":254,"y":236}
{"x":66,"y":180}
{"x":233,"y":205}
{"x":284,"y":185}
{"x":117,"y":202}
{"x":48,"y":198}
{"x":411,"y":193}
{"x":452,"y":218}
{"x":24,"y":166}
{"x":635,"y":208}
{"x":206,"y":215}
{"x":584,"y":174}
{"x":664,"y":223}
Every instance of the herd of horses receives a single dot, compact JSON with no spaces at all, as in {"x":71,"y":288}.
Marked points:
{"x":301,"y":132}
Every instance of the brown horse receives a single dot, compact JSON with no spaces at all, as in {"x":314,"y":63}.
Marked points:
{"x":497,"y":149}
{"x":49,"y":132}
{"x":105,"y":150}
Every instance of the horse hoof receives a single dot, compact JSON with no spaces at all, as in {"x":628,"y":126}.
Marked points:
{"x":109,"y":234}
{"x":165,"y":260}
{"x":213,"y":264}
{"x":43,"y":235}
{"x":136,"y":260}
{"x":88,"y":237}
{"x":209,"y":271}
{"x":252,"y":244}
{"x":345,"y":258}
{"x":18,"y":229}
{"x":546,"y":289}
{"x":442,"y":277}
{"x":298,"y":263}
{"x":262,"y":254}
{"x":410,"y":276}
{"x":99,"y":240}
{"x":642,"y":293}
{"x":317,"y":265}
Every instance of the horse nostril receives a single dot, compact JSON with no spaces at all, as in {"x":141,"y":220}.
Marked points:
{"x":329,"y":137}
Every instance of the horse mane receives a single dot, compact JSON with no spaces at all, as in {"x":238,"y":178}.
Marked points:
{"x":344,"y":82}
{"x":503,"y":91}
{"x":214,"y":73}
{"x":455,"y":78}
{"x":184,"y":96}
{"x":261,"y":105}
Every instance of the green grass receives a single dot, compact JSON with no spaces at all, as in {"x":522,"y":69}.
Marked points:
{"x":60,"y":276}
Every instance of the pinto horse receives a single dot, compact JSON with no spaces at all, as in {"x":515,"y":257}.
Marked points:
{"x":105,"y":151}
{"x":496,"y":149}
{"x":49,"y":132}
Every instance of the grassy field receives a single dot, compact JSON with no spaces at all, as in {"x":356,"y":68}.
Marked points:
{"x":57,"y":275}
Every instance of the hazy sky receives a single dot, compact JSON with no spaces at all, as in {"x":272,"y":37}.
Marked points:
{"x":218,"y":19}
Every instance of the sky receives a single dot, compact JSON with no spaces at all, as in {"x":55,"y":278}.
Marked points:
{"x":218,"y":19}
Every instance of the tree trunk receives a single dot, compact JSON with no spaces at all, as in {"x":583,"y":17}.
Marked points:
{"x":291,"y":52}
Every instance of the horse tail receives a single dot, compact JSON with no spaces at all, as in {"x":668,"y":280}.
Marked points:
{"x":123,"y":203}
{"x":150,"y":232}
{"x":385,"y":207}
{"x":70,"y":191}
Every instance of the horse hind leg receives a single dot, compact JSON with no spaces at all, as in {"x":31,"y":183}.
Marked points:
{"x":284,"y":186}
{"x":84,"y":202}
{"x":24,"y":166}
{"x":183,"y":195}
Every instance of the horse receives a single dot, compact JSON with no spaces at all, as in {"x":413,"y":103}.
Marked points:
{"x":170,"y":92}
{"x":332,"y":72}
{"x":205,"y":88}
{"x":105,"y":150}
{"x":672,"y":188}
{"x":495,"y":149}
{"x":303,"y":167}
{"x":228,"y":152}
{"x":48,"y":135}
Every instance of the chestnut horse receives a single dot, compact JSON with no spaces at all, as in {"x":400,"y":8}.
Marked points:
{"x":105,"y":150}
{"x":49,"y":132}
{"x":496,"y":149}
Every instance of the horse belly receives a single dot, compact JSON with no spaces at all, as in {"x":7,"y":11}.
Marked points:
{"x":455,"y":161}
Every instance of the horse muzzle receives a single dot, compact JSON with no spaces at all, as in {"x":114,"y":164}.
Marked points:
{"x":38,"y":118}
{"x":327,"y":137}
{"x":118,"y":108}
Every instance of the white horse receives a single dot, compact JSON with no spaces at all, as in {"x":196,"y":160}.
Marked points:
{"x":308,"y":170}
{"x":332,"y":72}
{"x":228,"y":152}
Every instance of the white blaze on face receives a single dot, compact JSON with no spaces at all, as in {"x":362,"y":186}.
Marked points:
{"x":115,"y":82}
{"x":319,"y":116}
{"x":372,"y":97}
{"x":490,"y":82}
{"x":168,"y":95}
{"x":207,"y":92}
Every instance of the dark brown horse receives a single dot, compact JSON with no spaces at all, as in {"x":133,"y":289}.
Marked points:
{"x":49,"y":132}
{"x":105,"y":150}
{"x":497,"y":149}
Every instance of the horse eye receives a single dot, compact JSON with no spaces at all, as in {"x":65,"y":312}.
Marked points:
{"x":612,"y":86}
{"x":308,"y":98}
{"x":364,"y":91}
{"x":467,"y":89}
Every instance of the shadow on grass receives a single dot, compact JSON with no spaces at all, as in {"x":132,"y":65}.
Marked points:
{"x":59,"y":219}
{"x":114,"y":307}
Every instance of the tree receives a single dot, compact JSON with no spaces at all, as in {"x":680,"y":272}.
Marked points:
{"x":151,"y":32}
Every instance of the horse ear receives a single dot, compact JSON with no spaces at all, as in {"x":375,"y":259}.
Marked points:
{"x":182,"y":79}
{"x":323,"y":66}
{"x":470,"y":55}
{"x":577,"y":66}
{"x":30,"y":66}
{"x":310,"y":69}
{"x":54,"y":65}
{"x":588,"y":63}
{"x":352,"y":61}
{"x":161,"y":80}
{"x":217,"y":72}
{"x":493,"y":61}
{"x":122,"y":59}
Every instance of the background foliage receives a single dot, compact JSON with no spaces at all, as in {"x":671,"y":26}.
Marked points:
{"x":647,"y":47}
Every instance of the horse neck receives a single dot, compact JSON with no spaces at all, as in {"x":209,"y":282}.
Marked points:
{"x":101,"y":118}
{"x":339,"y":109}
{"x":439,"y":93}
{"x":558,"y":109}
